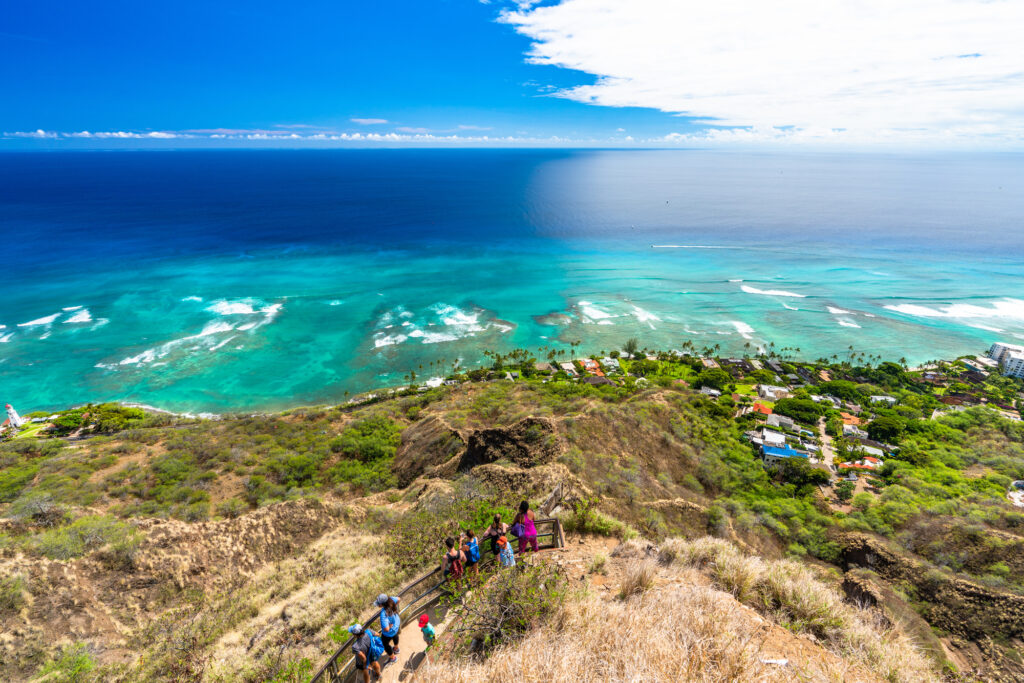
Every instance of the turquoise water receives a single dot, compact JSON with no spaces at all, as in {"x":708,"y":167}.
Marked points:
{"x":226,"y":281}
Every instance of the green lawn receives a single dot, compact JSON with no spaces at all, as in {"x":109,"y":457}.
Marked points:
{"x":31,"y":431}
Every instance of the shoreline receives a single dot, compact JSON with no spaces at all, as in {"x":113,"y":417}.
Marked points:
{"x":385,"y":392}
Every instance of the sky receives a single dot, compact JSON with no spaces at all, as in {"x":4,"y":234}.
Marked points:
{"x":606,"y":73}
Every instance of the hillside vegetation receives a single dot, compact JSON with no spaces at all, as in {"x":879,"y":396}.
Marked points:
{"x":137,"y":546}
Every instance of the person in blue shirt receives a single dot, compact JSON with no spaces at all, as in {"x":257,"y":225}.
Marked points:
{"x":471,"y":548}
{"x":505,"y":554}
{"x":390,"y":624}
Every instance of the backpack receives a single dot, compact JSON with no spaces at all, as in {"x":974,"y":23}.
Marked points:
{"x":455,"y":568}
{"x":474,"y":551}
{"x":376,"y":648}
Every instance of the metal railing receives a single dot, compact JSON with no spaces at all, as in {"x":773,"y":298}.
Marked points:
{"x":341,"y":666}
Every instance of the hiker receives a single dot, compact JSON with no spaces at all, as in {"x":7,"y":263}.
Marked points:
{"x":524,"y":528}
{"x":451,"y":565}
{"x":365,"y":650}
{"x":427,"y":629}
{"x":390,"y":623}
{"x":505,"y":554}
{"x":494,"y":532}
{"x":383,"y":598}
{"x":471,"y":549}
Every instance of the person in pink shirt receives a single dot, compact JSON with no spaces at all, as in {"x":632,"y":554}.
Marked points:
{"x":529,"y":535}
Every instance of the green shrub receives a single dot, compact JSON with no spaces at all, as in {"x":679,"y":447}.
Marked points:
{"x":515,"y":602}
{"x":12,"y":592}
{"x":585,"y":518}
{"x":85,"y":535}
{"x":371,"y":439}
{"x":72,"y":665}
{"x":231,"y":508}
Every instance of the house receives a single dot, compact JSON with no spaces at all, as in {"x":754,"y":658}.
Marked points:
{"x":776,"y":366}
{"x":871,"y":451}
{"x":853,"y":407}
{"x":708,"y":391}
{"x":835,"y":402}
{"x":883,"y":399}
{"x":773,"y":455}
{"x":762,"y":408}
{"x":543,"y":367}
{"x":781,"y":421}
{"x":854,"y":431}
{"x":756,"y":364}
{"x":849,"y":419}
{"x":771,"y":392}
{"x":611,"y":364}
{"x":867,"y":464}
{"x":568,"y":368}
{"x":775,"y":439}
{"x":591,"y":366}
{"x":709,"y":362}
{"x":598,"y":381}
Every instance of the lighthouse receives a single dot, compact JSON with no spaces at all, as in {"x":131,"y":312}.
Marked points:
{"x":13,"y":419}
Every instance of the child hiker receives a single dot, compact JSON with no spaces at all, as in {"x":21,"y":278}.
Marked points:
{"x":428,"y":630}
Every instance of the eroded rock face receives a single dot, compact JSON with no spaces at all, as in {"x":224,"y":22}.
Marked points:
{"x":528,"y":443}
{"x":968,"y":610}
{"x":426,"y":446}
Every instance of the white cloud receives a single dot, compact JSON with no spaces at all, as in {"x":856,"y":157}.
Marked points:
{"x":369,"y":122}
{"x":410,"y":129}
{"x":40,"y":133}
{"x":800,"y":70}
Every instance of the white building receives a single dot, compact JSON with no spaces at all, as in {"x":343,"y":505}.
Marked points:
{"x":13,"y":419}
{"x":771,"y":438}
{"x":1000,"y":350}
{"x":853,"y":430}
{"x":1013,"y":364}
{"x":883,"y":399}
{"x":782,"y":421}
{"x":771,"y":392}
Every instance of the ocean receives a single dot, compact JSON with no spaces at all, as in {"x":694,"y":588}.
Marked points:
{"x":221,"y":281}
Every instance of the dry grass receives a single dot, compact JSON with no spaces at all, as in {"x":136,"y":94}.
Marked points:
{"x":793,"y":596}
{"x":639,"y":579}
{"x":702,"y":635}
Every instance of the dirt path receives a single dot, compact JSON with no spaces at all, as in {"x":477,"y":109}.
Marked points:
{"x":827,"y":452}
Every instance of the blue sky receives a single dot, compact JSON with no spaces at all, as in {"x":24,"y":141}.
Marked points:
{"x":562,"y":72}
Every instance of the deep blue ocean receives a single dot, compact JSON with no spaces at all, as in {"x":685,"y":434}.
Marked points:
{"x":238,"y":280}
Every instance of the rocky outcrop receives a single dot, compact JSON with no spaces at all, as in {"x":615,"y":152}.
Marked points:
{"x":427,"y":446}
{"x":977,"y":616}
{"x":527,"y":443}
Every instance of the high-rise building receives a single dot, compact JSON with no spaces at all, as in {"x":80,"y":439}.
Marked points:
{"x":1000,"y":350}
{"x":1013,"y":364}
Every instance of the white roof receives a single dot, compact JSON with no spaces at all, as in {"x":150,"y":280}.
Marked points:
{"x":773,"y":438}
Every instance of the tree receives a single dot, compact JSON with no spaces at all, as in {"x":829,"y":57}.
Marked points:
{"x":631,"y":346}
{"x":886,"y":428}
{"x":844,"y":490}
{"x":800,"y":409}
{"x":716,"y":378}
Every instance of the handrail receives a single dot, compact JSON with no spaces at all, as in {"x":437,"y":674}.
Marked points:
{"x":331,"y":672}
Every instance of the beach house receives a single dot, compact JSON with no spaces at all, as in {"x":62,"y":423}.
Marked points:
{"x":569,"y":368}
{"x":773,"y":455}
{"x":771,"y":392}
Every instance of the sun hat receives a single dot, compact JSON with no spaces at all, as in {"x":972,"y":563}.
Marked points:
{"x":502,"y":540}
{"x":381,"y":599}
{"x":355,"y":628}
{"x":424,"y":620}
